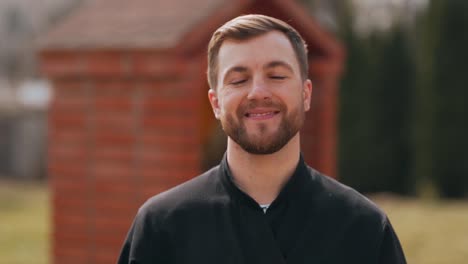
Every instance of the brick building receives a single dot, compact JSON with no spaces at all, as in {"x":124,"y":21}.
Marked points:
{"x":131,"y":105}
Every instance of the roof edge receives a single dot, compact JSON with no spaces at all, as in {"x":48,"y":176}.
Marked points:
{"x":196,"y":39}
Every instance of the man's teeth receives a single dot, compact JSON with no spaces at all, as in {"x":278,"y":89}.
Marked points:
{"x":260,"y":114}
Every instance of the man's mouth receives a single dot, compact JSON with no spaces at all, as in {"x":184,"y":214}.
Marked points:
{"x":260,"y":115}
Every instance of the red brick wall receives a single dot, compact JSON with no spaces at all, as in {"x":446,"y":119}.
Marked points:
{"x":319,"y":135}
{"x":120,"y":126}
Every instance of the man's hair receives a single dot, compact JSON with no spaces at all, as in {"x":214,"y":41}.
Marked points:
{"x":250,"y":26}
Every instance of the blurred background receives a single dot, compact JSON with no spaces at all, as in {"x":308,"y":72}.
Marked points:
{"x":402,"y":119}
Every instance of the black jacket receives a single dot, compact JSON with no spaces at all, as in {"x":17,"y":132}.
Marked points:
{"x":209,"y":220}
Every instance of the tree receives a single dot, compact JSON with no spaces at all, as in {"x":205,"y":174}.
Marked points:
{"x":451,"y":78}
{"x":376,"y":91}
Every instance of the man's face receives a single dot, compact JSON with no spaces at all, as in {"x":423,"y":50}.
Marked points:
{"x":261,"y":98}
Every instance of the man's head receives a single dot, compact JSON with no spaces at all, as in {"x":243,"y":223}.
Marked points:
{"x":250,"y":26}
{"x":258,"y":77}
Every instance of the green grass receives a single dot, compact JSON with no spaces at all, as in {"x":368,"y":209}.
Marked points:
{"x":24,"y":223}
{"x":430,"y":231}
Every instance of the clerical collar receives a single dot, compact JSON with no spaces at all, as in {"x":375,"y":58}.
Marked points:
{"x":292,"y":188}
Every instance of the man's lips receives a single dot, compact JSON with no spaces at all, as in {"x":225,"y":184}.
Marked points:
{"x":258,"y":114}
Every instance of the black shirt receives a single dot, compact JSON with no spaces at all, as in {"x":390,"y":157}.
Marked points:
{"x":208,"y":219}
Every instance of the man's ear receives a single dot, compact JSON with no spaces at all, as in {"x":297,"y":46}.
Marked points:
{"x":307,"y":94}
{"x":213,"y":97}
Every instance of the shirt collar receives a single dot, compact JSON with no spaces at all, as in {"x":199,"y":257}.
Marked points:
{"x":291,"y":190}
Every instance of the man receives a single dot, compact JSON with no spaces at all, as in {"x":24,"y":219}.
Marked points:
{"x":262,"y":204}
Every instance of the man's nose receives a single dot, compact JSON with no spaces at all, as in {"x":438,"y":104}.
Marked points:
{"x":259,"y":90}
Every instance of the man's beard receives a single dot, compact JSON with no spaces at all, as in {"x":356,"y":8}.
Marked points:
{"x":261,"y":143}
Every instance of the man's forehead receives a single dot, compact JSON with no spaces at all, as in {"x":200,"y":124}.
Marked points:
{"x":271,"y":46}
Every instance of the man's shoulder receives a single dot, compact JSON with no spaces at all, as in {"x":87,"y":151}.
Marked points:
{"x":333,"y":196}
{"x":196,"y":192}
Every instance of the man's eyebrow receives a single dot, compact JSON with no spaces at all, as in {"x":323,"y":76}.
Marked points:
{"x":239,"y":69}
{"x":279,"y":63}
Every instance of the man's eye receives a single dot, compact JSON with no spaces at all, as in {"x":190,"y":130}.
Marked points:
{"x":278,"y":77}
{"x":237,"y":82}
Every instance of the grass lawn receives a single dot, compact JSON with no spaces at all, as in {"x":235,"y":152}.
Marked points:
{"x":24,"y":223}
{"x":430,"y":231}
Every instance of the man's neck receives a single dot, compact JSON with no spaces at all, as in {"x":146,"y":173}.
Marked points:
{"x":263,"y":176}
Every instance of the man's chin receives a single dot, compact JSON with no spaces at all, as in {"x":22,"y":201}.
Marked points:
{"x":261,"y":139}
{"x":263,"y":145}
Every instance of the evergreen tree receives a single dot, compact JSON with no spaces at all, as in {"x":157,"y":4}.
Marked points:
{"x":424,"y":43}
{"x":376,"y":91}
{"x":451,"y":80}
{"x":393,"y":89}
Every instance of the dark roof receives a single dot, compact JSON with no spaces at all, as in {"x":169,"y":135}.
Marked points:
{"x":181,"y":25}
{"x":128,"y":24}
